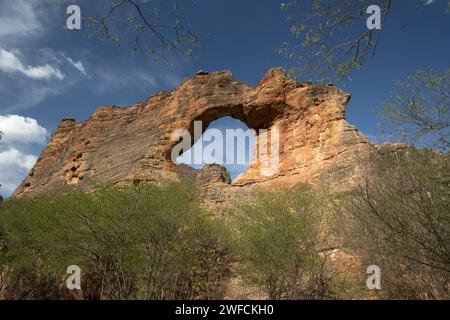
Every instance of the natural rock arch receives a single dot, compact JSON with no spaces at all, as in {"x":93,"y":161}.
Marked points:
{"x":124,"y":144}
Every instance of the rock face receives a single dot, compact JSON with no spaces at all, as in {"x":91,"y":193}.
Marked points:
{"x":316,"y":143}
{"x":212,"y":173}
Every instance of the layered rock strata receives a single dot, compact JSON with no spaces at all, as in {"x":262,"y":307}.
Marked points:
{"x":315,"y":142}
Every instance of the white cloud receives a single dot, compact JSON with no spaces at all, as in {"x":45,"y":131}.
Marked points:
{"x":123,"y":72}
{"x":14,"y":166}
{"x":19,"y":19}
{"x":27,"y":96}
{"x":10,"y":63}
{"x":13,"y":157}
{"x":115,"y":78}
{"x":76,"y":64}
{"x":20,"y":92}
{"x":18,"y":129}
{"x":20,"y":137}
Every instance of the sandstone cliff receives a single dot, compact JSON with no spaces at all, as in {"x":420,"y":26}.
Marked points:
{"x":117,"y":144}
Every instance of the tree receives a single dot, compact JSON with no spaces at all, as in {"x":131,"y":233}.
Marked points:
{"x":1,"y":198}
{"x":133,"y":242}
{"x":151,"y":27}
{"x":333,"y":38}
{"x":281,"y":244}
{"x":4,"y":265}
{"x":398,"y":219}
{"x":419,"y":112}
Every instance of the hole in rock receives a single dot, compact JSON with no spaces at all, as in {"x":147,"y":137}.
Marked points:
{"x":226,"y":141}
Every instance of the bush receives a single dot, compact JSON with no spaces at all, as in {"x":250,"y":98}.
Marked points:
{"x":3,"y":269}
{"x":398,"y":219}
{"x":282,"y":244}
{"x":135,"y":242}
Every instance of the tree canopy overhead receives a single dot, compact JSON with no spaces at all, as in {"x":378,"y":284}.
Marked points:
{"x":332,"y":35}
{"x":419,"y":111}
{"x":153,"y":27}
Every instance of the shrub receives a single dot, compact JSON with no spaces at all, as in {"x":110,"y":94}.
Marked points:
{"x":134,"y":242}
{"x":398,"y":218}
{"x":282,"y":244}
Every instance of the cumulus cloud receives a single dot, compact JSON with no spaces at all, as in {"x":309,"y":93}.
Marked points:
{"x":13,"y":157}
{"x":18,"y":129}
{"x":10,"y":63}
{"x":14,"y":166}
{"x":18,"y":144}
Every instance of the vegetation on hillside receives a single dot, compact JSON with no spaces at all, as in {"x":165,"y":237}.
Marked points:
{"x":157,"y":242}
{"x":137,"y":242}
{"x":282,"y":244}
{"x":398,"y":219}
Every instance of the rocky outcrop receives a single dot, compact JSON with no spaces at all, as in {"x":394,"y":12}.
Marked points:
{"x":212,"y":173}
{"x":316,"y":143}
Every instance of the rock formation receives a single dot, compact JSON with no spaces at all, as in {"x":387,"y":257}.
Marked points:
{"x":118,"y":145}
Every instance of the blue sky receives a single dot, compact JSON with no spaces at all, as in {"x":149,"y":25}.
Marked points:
{"x":48,"y":73}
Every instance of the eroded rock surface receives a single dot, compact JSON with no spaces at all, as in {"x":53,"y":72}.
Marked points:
{"x":117,"y":144}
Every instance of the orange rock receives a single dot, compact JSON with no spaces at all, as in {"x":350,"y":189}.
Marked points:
{"x":118,"y":144}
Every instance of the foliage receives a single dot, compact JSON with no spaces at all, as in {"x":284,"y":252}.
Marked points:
{"x":1,"y":198}
{"x":332,"y":36}
{"x":4,"y":259}
{"x":151,"y":27}
{"x":281,"y":244}
{"x":137,"y":242}
{"x":398,"y":219}
{"x":419,"y":112}
{"x":151,"y":241}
